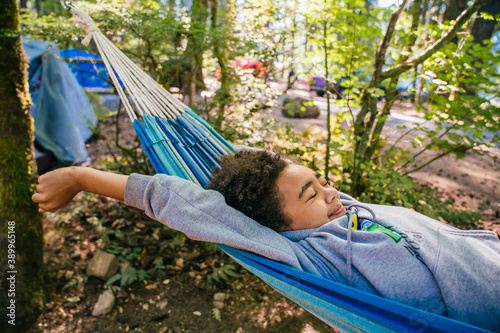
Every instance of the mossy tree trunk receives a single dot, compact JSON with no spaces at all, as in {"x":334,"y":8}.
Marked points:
{"x":20,"y":223}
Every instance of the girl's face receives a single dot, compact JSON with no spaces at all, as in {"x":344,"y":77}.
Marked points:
{"x":308,"y":200}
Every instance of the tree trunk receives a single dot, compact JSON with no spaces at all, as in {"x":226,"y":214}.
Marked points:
{"x":220,"y":51}
{"x":483,"y":29}
{"x":453,"y":9}
{"x":21,"y":235}
{"x":195,"y":47}
{"x":327,"y":95}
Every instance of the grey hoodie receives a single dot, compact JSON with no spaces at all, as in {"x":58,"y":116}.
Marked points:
{"x":434,"y":267}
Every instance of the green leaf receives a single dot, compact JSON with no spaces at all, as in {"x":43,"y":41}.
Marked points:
{"x":159,"y":264}
{"x":216,"y":313}
{"x":113,"y":279}
{"x":223,"y":275}
{"x":487,"y":16}
{"x":75,"y":299}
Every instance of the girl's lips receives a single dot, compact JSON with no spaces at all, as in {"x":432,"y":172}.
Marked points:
{"x":337,"y":211}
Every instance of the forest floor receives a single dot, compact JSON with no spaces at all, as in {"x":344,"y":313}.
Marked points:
{"x":177,"y":297}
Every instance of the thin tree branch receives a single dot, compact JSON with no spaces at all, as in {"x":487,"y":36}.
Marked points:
{"x":368,"y":103}
{"x":457,"y":148}
{"x":429,"y":145}
{"x":427,"y":53}
{"x":386,"y":42}
{"x":401,"y":137}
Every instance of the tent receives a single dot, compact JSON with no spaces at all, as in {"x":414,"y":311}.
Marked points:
{"x":62,"y":113}
{"x":88,"y":68}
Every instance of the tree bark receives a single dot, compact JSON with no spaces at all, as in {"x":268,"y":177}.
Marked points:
{"x":327,"y":95}
{"x":219,"y":47}
{"x":20,"y":223}
{"x":453,"y":9}
{"x":362,"y":126}
{"x":196,"y":47}
{"x":483,"y":29}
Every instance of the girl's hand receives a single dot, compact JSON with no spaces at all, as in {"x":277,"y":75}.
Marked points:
{"x":57,"y":188}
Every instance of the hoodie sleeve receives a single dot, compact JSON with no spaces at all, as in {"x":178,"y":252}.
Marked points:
{"x":203,"y":215}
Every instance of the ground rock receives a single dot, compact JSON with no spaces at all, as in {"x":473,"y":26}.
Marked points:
{"x":219,"y":297}
{"x":104,"y":304}
{"x":103,"y":265}
{"x":219,"y":300}
{"x":298,"y":107}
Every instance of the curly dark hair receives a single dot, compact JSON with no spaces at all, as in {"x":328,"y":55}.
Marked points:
{"x":247,"y":180}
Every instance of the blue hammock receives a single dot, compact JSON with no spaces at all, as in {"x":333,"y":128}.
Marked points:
{"x":343,"y":307}
{"x":336,"y":304}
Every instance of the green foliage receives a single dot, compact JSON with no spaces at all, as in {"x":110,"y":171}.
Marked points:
{"x":307,"y":146}
{"x":146,"y":31}
{"x":160,"y":264}
{"x":74,"y":283}
{"x":97,"y":102}
{"x":223,"y":273}
{"x":55,"y":26}
{"x":128,"y":160}
{"x":216,"y":314}
{"x":242,"y":124}
{"x":178,"y":240}
{"x":464,"y":98}
{"x":127,"y":276}
{"x":124,"y":254}
{"x":351,"y":37}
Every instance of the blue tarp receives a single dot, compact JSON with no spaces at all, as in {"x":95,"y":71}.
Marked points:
{"x":88,"y":68}
{"x":62,"y":113}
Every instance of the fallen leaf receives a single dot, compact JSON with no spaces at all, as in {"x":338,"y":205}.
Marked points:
{"x":75,"y":299}
{"x":152,"y":286}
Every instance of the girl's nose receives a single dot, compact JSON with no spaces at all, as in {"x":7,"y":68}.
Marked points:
{"x":330,"y":194}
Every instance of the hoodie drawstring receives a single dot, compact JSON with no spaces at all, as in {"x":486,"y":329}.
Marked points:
{"x":352,"y":213}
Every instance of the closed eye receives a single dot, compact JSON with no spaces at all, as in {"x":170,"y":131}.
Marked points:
{"x":313,"y":196}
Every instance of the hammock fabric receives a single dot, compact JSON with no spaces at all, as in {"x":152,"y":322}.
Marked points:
{"x":179,"y":142}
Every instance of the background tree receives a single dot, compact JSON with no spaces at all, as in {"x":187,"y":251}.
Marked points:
{"x":484,"y":25}
{"x":370,"y":120}
{"x":219,"y":23}
{"x":17,"y":179}
{"x":196,"y":47}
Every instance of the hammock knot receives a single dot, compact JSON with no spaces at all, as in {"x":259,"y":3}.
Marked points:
{"x":83,"y":20}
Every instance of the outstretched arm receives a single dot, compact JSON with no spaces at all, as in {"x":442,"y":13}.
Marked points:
{"x":178,"y":203}
{"x":57,"y":188}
